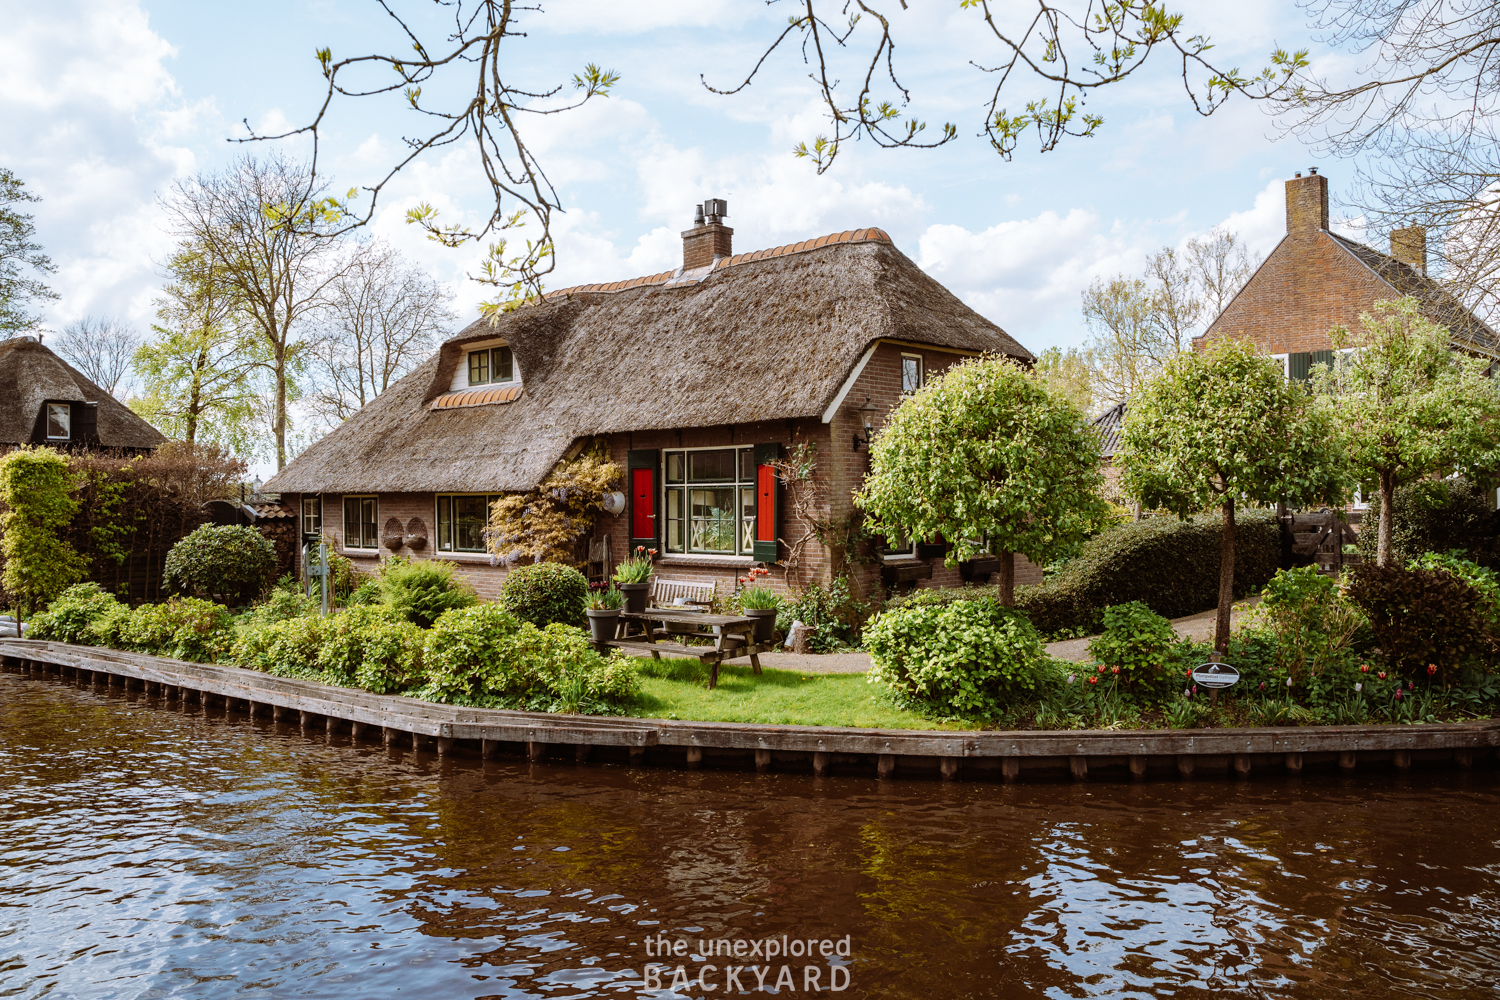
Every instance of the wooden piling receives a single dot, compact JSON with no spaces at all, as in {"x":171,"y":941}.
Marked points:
{"x":885,"y":765}
{"x":1347,"y":760}
{"x":1010,"y":767}
{"x":1242,"y":765}
{"x":1137,"y":766}
{"x":948,"y":767}
{"x":762,"y":760}
{"x":821,"y":763}
{"x":1402,"y":760}
{"x":1185,"y":764}
{"x":1294,"y":763}
{"x":1079,"y":767}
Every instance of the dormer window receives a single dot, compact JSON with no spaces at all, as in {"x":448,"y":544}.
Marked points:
{"x":59,"y":422}
{"x":492,"y":366}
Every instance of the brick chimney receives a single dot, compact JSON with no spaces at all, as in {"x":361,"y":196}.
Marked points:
{"x":1306,"y":203}
{"x":1409,"y":246}
{"x":709,"y":239}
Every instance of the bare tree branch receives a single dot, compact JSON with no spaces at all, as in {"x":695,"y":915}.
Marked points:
{"x":101,"y":348}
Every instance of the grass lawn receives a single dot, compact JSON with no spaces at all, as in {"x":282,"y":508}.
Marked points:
{"x":677,"y":689}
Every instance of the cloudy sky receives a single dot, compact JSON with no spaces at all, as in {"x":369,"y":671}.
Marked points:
{"x":105,"y":102}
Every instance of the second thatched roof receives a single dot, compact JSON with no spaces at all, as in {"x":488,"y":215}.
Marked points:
{"x":765,"y":336}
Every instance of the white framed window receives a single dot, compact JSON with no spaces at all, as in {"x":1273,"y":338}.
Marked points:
{"x":461,"y":520}
{"x":59,"y":421}
{"x":911,"y":372}
{"x":1285,"y":371}
{"x":312,"y":515}
{"x":492,"y":366}
{"x":710,"y":500}
{"x":361,"y":524}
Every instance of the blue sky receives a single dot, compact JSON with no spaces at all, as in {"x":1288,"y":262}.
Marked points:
{"x":107,"y":101}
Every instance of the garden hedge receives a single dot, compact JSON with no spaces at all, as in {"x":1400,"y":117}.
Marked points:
{"x":1168,"y":564}
{"x":1437,"y":515}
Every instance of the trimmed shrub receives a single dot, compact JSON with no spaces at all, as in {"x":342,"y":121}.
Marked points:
{"x":345,"y":636}
{"x":1436,"y":515}
{"x":230,"y":562}
{"x":1135,"y":642}
{"x":486,"y":657}
{"x":184,"y":627}
{"x":366,"y":593}
{"x":71,"y":617}
{"x":288,"y":648}
{"x":279,"y":606}
{"x":543,"y":593}
{"x":422,"y":591}
{"x":1170,"y":565}
{"x":965,"y":657}
{"x":391,"y":659}
{"x":1425,"y":616}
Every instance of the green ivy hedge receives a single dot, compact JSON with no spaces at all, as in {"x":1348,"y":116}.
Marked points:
{"x":1169,"y":565}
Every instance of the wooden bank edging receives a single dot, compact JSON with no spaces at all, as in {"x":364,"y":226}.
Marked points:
{"x":826,"y":748}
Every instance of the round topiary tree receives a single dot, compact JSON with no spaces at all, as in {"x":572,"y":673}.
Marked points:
{"x":229,"y":563}
{"x":543,"y":593}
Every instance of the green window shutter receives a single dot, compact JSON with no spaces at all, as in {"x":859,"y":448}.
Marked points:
{"x":642,"y":481}
{"x":1297,"y":366}
{"x":768,"y":492}
{"x":1319,"y":358}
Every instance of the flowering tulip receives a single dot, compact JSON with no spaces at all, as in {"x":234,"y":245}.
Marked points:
{"x":1431,"y":669}
{"x":1114,"y":670}
{"x":1072,"y":678}
{"x":1398,"y":694}
{"x":1288,"y":682}
{"x":1195,"y":689}
{"x":1358,"y":687}
{"x":1101,"y":668}
{"x":1262,"y":685}
{"x":1381,"y":675}
{"x":1093,"y":680}
{"x":1364,"y":668}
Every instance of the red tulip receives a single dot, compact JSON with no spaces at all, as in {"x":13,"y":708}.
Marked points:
{"x":1364,"y":668}
{"x":1431,"y":669}
{"x":1093,"y":680}
{"x":1114,"y":670}
{"x":1101,"y":668}
{"x":1381,"y":675}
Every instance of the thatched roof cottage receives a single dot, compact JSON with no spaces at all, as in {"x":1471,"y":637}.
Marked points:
{"x":697,"y":377}
{"x":46,"y":401}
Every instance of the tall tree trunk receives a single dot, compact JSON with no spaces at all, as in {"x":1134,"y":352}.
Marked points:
{"x":280,"y":417}
{"x":1226,"y":578}
{"x":1387,"y":499}
{"x":1007,"y":578}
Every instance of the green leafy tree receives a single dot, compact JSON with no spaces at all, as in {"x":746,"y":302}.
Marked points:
{"x":990,"y":460}
{"x":21,"y":258}
{"x":1222,"y":426}
{"x":36,"y":489}
{"x":199,"y":371}
{"x":1409,"y":406}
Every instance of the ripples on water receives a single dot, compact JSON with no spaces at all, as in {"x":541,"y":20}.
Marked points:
{"x":151,"y":853}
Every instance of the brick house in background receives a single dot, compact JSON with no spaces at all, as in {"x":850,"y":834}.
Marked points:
{"x":696,"y":378}
{"x":1316,"y":280}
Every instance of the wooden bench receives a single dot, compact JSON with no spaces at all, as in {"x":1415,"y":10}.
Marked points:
{"x":664,"y":593}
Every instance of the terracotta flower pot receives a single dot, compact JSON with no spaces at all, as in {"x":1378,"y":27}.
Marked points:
{"x":603,"y":622}
{"x":765,"y":623}
{"x":636,"y":595}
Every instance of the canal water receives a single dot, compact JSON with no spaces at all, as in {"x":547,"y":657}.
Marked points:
{"x":152,"y":852}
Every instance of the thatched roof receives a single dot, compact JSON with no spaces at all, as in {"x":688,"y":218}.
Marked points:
{"x":30,"y":374}
{"x":761,"y":336}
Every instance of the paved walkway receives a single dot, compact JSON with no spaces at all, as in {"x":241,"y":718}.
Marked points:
{"x":1199,"y":627}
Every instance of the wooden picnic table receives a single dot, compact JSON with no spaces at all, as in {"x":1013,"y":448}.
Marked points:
{"x":733,"y":635}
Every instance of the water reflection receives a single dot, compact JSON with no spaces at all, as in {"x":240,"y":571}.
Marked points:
{"x":149,"y":851}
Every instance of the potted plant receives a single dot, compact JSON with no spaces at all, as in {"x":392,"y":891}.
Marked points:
{"x":633,"y":577}
{"x":604,"y":613}
{"x":761,"y":604}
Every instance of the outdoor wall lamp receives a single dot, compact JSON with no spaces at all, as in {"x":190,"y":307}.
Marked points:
{"x":866,"y":411}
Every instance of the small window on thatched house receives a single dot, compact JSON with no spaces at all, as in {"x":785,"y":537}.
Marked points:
{"x":492,"y":365}
{"x":312,"y":515}
{"x":461,"y":520}
{"x":360,"y":523}
{"x":911,"y":372}
{"x":59,"y":421}
{"x":710,"y":501}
